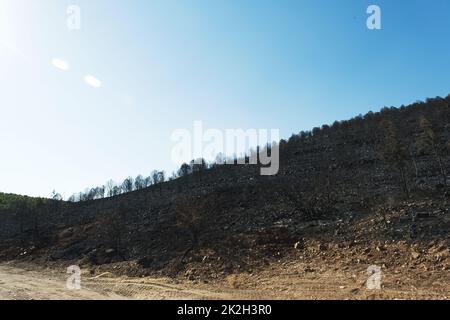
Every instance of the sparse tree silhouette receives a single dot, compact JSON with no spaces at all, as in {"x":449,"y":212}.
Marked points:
{"x":184,"y":170}
{"x":116,"y":190}
{"x":139,"y":183}
{"x":148,"y":181}
{"x":109,"y":187}
{"x":127,"y":185}
{"x":158,"y":178}
{"x":100,"y":192}
{"x":56,"y":196}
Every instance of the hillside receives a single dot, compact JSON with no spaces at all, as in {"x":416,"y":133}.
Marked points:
{"x":372,"y":190}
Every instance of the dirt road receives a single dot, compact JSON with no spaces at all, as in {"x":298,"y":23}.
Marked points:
{"x":20,"y":284}
{"x":291,"y":282}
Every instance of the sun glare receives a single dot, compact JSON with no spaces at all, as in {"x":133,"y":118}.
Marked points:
{"x":14,"y":19}
{"x":93,"y":81}
{"x":60,"y":64}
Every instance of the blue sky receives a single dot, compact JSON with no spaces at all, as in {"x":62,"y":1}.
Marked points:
{"x":163,"y":64}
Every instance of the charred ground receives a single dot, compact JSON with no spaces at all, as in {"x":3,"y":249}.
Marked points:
{"x":370,"y":190}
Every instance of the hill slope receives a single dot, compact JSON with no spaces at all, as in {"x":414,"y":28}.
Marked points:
{"x":371,"y":190}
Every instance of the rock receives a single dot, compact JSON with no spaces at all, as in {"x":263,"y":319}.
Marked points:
{"x":67,"y":233}
{"x":299,"y":245}
{"x":309,"y":269}
{"x":415,"y":255}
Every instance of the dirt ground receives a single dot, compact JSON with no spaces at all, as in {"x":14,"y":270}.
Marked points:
{"x":284,"y":281}
{"x":20,"y":284}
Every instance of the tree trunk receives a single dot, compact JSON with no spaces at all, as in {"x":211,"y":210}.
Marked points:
{"x":416,"y":168}
{"x":404,"y":181}
{"x":441,"y":167}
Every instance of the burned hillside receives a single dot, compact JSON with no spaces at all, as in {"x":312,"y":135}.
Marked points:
{"x":367,"y":186}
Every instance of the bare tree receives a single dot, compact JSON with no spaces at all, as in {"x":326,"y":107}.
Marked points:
{"x":158,"y":176}
{"x":413,"y":155}
{"x":109,"y":187}
{"x":116,"y":190}
{"x":191,"y":218}
{"x":127,"y":185}
{"x":56,"y":196}
{"x":428,"y":142}
{"x":184,"y":170}
{"x":100,"y":192}
{"x":148,"y":181}
{"x":139,"y":183}
{"x":395,"y":154}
